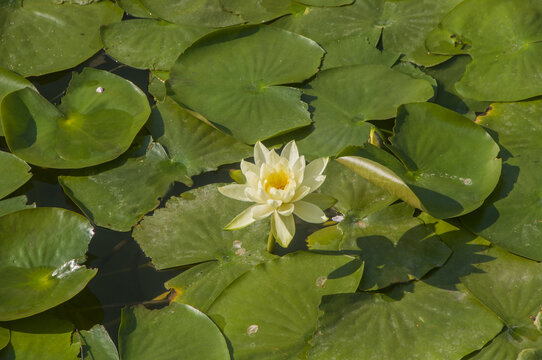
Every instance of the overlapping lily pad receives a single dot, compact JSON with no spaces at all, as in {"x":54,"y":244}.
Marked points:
{"x":10,"y":81}
{"x":177,"y":331}
{"x":15,"y":173}
{"x":149,"y":43}
{"x":512,"y":215}
{"x":258,"y":11}
{"x":43,"y":336}
{"x":4,"y":337}
{"x":345,"y":98}
{"x":96,"y":122}
{"x":446,"y":165}
{"x":231,"y":77}
{"x":191,"y":142}
{"x":39,"y":37}
{"x":208,"y":13}
{"x":263,"y":319}
{"x":504,"y":39}
{"x":414,"y":321}
{"x":117,"y":195}
{"x":14,"y":204}
{"x":96,"y":344}
{"x":41,"y":252}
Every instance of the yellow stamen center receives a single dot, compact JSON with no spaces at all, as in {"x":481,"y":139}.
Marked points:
{"x":277,"y":180}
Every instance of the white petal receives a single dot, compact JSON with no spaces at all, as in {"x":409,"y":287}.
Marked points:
{"x":274,"y":203}
{"x":286,"y":209}
{"x":313,"y":171}
{"x":309,"y":212}
{"x":243,"y":219}
{"x":283,"y":228}
{"x":256,"y":195}
{"x":248,"y":167}
{"x":262,"y":211}
{"x":290,"y":152}
{"x":235,"y":191}
{"x":300,"y":193}
{"x":298,"y":168}
{"x":261,"y":154}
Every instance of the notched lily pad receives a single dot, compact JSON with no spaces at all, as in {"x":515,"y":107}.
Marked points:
{"x":118,"y":194}
{"x":232,"y":78}
{"x":446,"y":165}
{"x":96,"y":122}
{"x":9,"y":82}
{"x":14,"y":204}
{"x":264,"y":320}
{"x":41,"y":252}
{"x":512,"y":216}
{"x":39,"y":37}
{"x":345,"y":98}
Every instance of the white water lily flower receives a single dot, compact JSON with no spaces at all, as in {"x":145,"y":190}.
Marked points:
{"x":278,"y":184}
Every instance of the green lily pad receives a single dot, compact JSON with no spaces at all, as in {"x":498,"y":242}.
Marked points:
{"x":177,"y":331}
{"x":43,"y":36}
{"x":353,"y":192}
{"x":43,"y":336}
{"x":414,"y":321}
{"x":118,"y":194}
{"x":345,"y":98}
{"x":191,"y":142}
{"x":207,"y":13}
{"x":394,"y":246}
{"x":355,"y":50}
{"x":325,"y":24}
{"x":96,"y":122}
{"x":9,"y":82}
{"x":189,"y":229}
{"x":512,"y":216}
{"x":200,"y":285}
{"x":326,"y":2}
{"x":265,"y":321}
{"x":15,"y":173}
{"x":259,"y":11}
{"x":14,"y":204}
{"x":157,"y":87}
{"x":447,"y":74}
{"x":406,"y":24}
{"x":447,"y":165}
{"x":4,"y":337}
{"x":41,"y":250}
{"x":149,"y":43}
{"x":96,"y":344}
{"x":135,"y":8}
{"x":231,"y":77}
{"x":504,"y":39}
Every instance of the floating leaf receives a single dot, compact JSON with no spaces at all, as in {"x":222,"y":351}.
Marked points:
{"x":14,"y":204}
{"x":4,"y":338}
{"x":414,"y":321}
{"x":504,"y":39}
{"x":135,"y":8}
{"x":96,"y":122}
{"x":15,"y":173}
{"x":326,"y":2}
{"x":345,"y":98}
{"x":406,"y":24}
{"x":258,"y":11}
{"x":43,"y":36}
{"x":190,"y":229}
{"x":40,"y":254}
{"x":355,"y":50}
{"x":191,"y":142}
{"x":264,"y":320}
{"x":447,"y":74}
{"x":149,"y":43}
{"x":207,"y":13}
{"x":177,"y":331}
{"x":231,"y":76}
{"x":117,"y":195}
{"x":325,"y":24}
{"x":512,"y":216}
{"x":9,"y":82}
{"x":43,"y":336}
{"x":394,"y":246}
{"x":97,"y":345}
{"x":447,"y":164}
